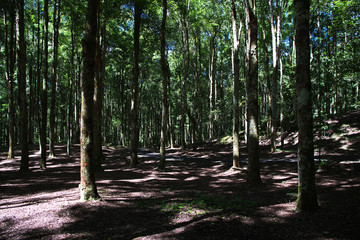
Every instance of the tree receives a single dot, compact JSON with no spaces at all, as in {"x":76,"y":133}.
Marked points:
{"x":307,"y":198}
{"x":44,"y":90}
{"x":253,"y":175}
{"x":99,"y":94}
{"x":88,"y":190}
{"x":57,"y":18}
{"x":135,"y":86}
{"x":10,"y":67}
{"x":275,"y":36}
{"x":24,"y":164}
{"x":165,"y":108}
{"x":236,"y":83}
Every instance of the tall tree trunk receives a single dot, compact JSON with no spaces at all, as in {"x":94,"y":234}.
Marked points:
{"x":164,"y":68}
{"x":135,"y":87}
{"x":185,"y":64}
{"x":212,"y":62}
{"x":10,"y":66}
{"x":236,"y":83}
{"x":307,"y":199}
{"x":70,"y":97}
{"x":44,"y":90}
{"x":253,"y":175}
{"x":99,"y":98}
{"x":275,"y":31}
{"x":88,"y":190}
{"x":24,"y":163}
{"x":38,"y":72}
{"x":54,"y":78}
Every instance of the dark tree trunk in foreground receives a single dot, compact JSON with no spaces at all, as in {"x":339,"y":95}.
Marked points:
{"x":165,"y":73}
{"x":87,"y":186}
{"x":54,"y":78}
{"x":307,"y":199}
{"x":44,"y":91}
{"x":24,"y":163}
{"x":135,"y":87}
{"x":236,"y":84}
{"x":253,"y":175}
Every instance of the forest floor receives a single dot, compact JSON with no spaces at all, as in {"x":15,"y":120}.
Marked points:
{"x":198,"y":196}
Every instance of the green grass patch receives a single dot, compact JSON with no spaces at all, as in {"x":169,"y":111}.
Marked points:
{"x":199,"y":204}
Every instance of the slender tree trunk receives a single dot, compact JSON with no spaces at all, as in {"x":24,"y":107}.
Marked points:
{"x":10,"y":66}
{"x":275,"y":31}
{"x":164,"y":68}
{"x":253,"y":175}
{"x":88,"y":190}
{"x":54,"y":78}
{"x":135,"y":87}
{"x":185,"y":64}
{"x":99,"y":96}
{"x":24,"y":163}
{"x":236,"y":83}
{"x":212,"y":85}
{"x":44,"y":90}
{"x":307,"y":199}
{"x":70,"y":98}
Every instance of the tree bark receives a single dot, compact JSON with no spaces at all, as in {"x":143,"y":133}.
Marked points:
{"x":135,"y":87}
{"x":185,"y":64}
{"x":24,"y":162}
{"x":99,"y":97}
{"x":88,"y":190}
{"x":165,"y":109}
{"x":44,"y":90}
{"x":307,"y":199}
{"x":54,"y":78}
{"x":275,"y":31}
{"x":236,"y":84}
{"x":253,"y":175}
{"x":10,"y":66}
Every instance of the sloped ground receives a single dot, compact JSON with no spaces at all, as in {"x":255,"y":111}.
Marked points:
{"x":197,"y":197}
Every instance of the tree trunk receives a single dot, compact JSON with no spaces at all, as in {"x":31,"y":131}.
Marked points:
{"x":24,"y":163}
{"x":44,"y":90}
{"x":275,"y":31}
{"x":10,"y":66}
{"x":164,"y":68}
{"x":236,"y":83}
{"x":99,"y":98}
{"x":88,"y":190}
{"x":135,"y":87}
{"x":253,"y":175}
{"x":185,"y":64}
{"x":212,"y":62}
{"x":54,"y":78}
{"x":307,"y":199}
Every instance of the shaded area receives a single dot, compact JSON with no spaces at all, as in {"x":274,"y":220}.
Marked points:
{"x":197,"y":195}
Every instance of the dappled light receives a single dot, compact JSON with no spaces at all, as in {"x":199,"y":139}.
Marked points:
{"x":192,"y":194}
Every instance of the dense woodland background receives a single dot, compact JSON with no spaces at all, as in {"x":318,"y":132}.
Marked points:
{"x":42,"y":64}
{"x":200,"y":67}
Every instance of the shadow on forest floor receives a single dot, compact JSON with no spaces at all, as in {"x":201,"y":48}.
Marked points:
{"x":197,"y":196}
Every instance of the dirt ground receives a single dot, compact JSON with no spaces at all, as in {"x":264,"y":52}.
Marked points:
{"x":198,"y":196}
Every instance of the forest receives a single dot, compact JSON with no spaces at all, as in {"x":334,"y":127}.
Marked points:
{"x":235,"y":98}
